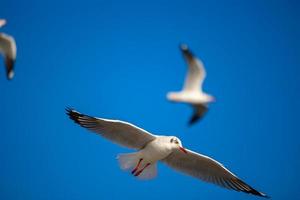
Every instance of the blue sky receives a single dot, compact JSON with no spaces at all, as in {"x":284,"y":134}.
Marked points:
{"x":118,"y":60}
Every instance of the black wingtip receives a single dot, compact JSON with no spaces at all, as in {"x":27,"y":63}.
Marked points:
{"x":73,"y":114}
{"x":193,"y":120}
{"x":253,"y":191}
{"x":186,"y":51}
{"x":69,"y":110}
{"x":260,"y":194}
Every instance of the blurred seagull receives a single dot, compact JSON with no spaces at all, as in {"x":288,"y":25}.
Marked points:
{"x":153,"y":148}
{"x":9,"y":51}
{"x":192,"y":92}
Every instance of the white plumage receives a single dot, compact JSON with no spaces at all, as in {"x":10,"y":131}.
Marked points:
{"x":153,"y":148}
{"x":192,"y":92}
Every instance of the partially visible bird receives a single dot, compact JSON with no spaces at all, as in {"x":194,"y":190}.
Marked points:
{"x":153,"y":148}
{"x":8,"y":49}
{"x":192,"y":92}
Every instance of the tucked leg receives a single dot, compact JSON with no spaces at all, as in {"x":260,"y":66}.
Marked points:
{"x":137,"y":166}
{"x":139,"y":172}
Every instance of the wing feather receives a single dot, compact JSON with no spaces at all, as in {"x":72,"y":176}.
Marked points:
{"x":122,"y":133}
{"x":9,"y":50}
{"x":208,"y":170}
{"x":196,"y":71}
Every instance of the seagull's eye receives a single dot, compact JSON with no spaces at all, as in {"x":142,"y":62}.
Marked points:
{"x":172,"y":140}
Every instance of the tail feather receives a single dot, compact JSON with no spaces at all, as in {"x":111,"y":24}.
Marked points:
{"x":149,"y":173}
{"x":128,"y":161}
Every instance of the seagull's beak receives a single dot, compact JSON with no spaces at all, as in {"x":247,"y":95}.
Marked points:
{"x":182,"y":149}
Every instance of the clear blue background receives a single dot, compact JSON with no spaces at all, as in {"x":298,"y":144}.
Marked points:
{"x":118,"y":60}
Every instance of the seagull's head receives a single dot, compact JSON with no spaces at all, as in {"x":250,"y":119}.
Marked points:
{"x":176,"y":144}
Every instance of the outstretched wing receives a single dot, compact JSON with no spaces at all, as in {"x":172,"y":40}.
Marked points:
{"x":208,"y":170}
{"x":119,"y":132}
{"x":196,"y":72}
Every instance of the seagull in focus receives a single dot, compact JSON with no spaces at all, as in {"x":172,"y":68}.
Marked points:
{"x":8,"y":49}
{"x":192,"y":92}
{"x":153,"y":148}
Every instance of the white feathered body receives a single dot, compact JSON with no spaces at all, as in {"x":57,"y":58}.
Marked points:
{"x":156,"y":150}
{"x":191,"y":97}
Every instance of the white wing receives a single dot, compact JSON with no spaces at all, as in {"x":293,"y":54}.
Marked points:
{"x":208,"y":170}
{"x":196,"y":72}
{"x":9,"y":50}
{"x":119,"y":132}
